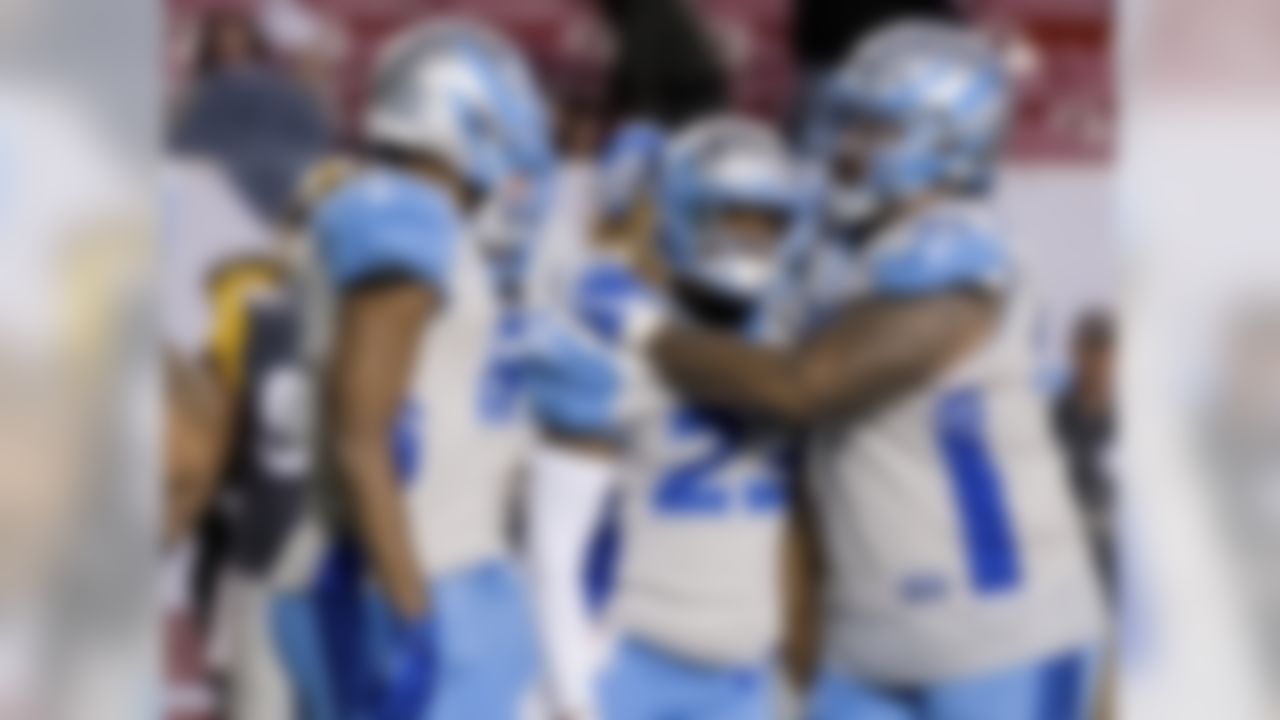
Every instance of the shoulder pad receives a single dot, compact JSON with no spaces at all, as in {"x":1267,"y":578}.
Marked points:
{"x":941,"y":251}
{"x":383,"y":222}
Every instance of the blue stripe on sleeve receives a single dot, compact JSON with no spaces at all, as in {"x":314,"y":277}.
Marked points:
{"x":1065,"y":688}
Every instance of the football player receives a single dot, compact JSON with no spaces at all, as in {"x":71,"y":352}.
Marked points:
{"x":697,"y":600}
{"x":570,"y":529}
{"x":957,"y":580}
{"x":421,"y":433}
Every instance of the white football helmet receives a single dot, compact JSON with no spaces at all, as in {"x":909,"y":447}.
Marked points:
{"x":720,"y":164}
{"x":462,"y":93}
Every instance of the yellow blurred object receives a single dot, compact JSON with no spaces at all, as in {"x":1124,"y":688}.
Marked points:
{"x":101,"y":276}
{"x":318,"y":183}
{"x":232,"y":289}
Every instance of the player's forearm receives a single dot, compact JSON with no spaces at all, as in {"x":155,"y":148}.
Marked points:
{"x":876,"y":352}
{"x":195,"y":445}
{"x":870,"y":376}
{"x":797,"y":386}
{"x":725,"y":372}
{"x":883,"y":350}
{"x":381,"y":522}
{"x":379,"y":328}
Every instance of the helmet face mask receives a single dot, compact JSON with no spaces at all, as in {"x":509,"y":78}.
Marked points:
{"x":860,"y":136}
{"x":741,"y":245}
{"x":730,"y":208}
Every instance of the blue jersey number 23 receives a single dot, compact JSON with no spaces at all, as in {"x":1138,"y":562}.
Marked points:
{"x":702,"y":485}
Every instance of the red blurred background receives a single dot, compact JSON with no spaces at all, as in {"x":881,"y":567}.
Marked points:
{"x":1065,"y":46}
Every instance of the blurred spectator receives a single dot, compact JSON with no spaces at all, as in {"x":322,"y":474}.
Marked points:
{"x":309,"y":45}
{"x":229,"y":41}
{"x":1086,"y":425}
{"x":250,"y":115}
{"x":580,"y":127}
{"x":206,"y":222}
{"x":667,"y":67}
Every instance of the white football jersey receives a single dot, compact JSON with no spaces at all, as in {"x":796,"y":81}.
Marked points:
{"x":463,"y":434}
{"x":952,"y":540}
{"x":703,"y":501}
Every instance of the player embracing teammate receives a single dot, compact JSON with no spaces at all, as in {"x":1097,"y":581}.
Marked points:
{"x":956,"y":582}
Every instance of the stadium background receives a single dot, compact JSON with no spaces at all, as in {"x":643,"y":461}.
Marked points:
{"x":1068,"y":102}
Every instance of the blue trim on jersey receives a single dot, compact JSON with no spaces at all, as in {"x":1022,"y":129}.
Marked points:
{"x":693,"y":487}
{"x":407,"y":451}
{"x":645,"y":682}
{"x":1065,"y":681}
{"x":701,"y":485}
{"x":604,"y":554}
{"x":339,"y":602}
{"x":987,"y":529}
{"x":386,"y":222}
{"x":1061,"y":686}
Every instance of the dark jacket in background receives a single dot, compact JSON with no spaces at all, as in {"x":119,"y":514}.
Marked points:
{"x":1086,"y":441}
{"x":264,"y":128}
{"x":667,"y":66}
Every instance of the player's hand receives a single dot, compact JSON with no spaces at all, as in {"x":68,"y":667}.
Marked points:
{"x":404,"y":669}
{"x":628,"y":168}
{"x":618,"y":305}
{"x":574,"y":379}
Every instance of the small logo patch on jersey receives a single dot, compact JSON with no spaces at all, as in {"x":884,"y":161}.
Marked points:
{"x":923,"y":588}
